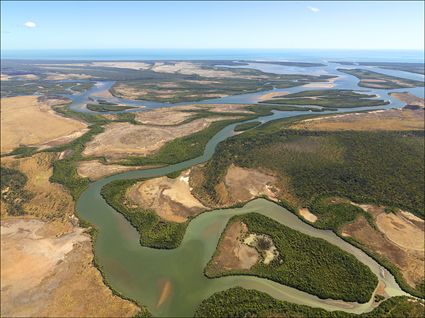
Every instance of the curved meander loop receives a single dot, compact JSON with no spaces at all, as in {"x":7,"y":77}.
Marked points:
{"x":171,"y":282}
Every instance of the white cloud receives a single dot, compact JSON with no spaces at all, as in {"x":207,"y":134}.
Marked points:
{"x":313,"y":9}
{"x":30,"y":24}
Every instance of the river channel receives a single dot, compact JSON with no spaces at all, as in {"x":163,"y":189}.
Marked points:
{"x":171,"y":282}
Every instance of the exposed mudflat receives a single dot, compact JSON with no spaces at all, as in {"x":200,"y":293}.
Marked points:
{"x":120,"y":140}
{"x":95,"y":170}
{"x":24,"y":120}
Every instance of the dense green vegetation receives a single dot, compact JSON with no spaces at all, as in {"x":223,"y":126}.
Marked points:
{"x":333,"y":215}
{"x":369,"y":167}
{"x":107,"y":107}
{"x":65,"y":170}
{"x":327,"y":271}
{"x":384,"y":168}
{"x":154,"y":232}
{"x":13,"y":194}
{"x":239,"y":302}
{"x":327,"y":98}
{"x":23,"y":151}
{"x":246,"y":126}
{"x":388,"y":82}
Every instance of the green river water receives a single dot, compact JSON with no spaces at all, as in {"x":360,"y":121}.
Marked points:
{"x":140,"y":273}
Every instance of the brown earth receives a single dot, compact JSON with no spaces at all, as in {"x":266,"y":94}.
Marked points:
{"x":231,"y":252}
{"x":46,"y":272}
{"x":50,"y":200}
{"x":244,"y":184}
{"x":409,"y":99}
{"x":409,"y":261}
{"x":392,"y":119}
{"x":170,"y":198}
{"x":27,"y":121}
{"x":120,"y":140}
{"x":95,"y":170}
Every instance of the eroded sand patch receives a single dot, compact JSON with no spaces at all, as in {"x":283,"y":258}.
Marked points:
{"x":170,"y":198}
{"x":46,"y":272}
{"x":306,"y":214}
{"x":27,"y":121}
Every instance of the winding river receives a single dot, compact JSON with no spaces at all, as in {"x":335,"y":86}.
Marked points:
{"x":171,"y":282}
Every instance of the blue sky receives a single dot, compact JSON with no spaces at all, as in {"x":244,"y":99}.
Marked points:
{"x":125,"y":25}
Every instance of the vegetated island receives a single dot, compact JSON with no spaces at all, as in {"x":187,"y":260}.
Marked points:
{"x":418,"y":68}
{"x":268,"y":249}
{"x":334,"y":98}
{"x":371,"y":79}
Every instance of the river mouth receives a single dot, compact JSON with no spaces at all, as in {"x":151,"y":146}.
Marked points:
{"x":172,"y":282}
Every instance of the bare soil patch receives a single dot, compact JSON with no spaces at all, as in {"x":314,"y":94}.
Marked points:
{"x":244,"y":184}
{"x":171,"y":199}
{"x":232,"y":253}
{"x":27,"y":121}
{"x":48,"y":273}
{"x":392,"y":119}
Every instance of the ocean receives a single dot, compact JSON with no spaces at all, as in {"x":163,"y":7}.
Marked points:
{"x":220,"y":54}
